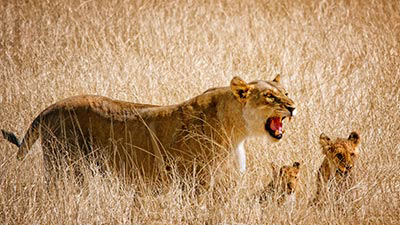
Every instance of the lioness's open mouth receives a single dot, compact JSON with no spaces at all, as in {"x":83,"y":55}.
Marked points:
{"x":274,"y":127}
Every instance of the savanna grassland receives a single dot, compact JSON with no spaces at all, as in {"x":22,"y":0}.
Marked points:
{"x":339,"y":60}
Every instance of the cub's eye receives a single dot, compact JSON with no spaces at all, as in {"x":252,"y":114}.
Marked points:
{"x":339,"y":156}
{"x":352,"y":154}
{"x":287,"y":94}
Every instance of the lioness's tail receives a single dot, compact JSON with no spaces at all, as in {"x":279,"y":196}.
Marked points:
{"x":9,"y":136}
{"x":29,"y":139}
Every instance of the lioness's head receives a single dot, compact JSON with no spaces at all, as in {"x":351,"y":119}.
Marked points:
{"x":340,"y":153}
{"x":265,"y":105}
{"x":285,"y":179}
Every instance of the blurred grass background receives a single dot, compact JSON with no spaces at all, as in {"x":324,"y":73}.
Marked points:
{"x":338,"y":59}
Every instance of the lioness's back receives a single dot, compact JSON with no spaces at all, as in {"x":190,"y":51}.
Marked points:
{"x":81,"y":125}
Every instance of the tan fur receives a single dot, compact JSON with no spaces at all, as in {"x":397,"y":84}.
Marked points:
{"x":284,"y":182}
{"x":132,"y":136}
{"x":340,"y":156}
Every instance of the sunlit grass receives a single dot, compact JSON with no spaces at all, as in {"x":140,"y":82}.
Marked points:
{"x":338,"y":59}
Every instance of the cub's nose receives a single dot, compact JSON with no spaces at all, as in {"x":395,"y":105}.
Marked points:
{"x":292,"y":110}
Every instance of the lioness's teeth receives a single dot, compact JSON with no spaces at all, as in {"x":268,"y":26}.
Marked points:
{"x":277,"y":133}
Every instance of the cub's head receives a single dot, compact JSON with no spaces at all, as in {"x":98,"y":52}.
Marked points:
{"x":286,"y":178}
{"x":265,"y":105}
{"x":340,"y":153}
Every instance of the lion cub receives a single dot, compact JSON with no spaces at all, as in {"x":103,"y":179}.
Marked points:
{"x":283,"y":183}
{"x":337,"y":166}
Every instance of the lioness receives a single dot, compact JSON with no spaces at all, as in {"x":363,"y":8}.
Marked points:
{"x":284,"y":182}
{"x":338,"y":163}
{"x":146,"y":136}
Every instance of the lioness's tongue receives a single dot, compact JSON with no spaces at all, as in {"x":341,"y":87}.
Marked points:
{"x":276,"y":124}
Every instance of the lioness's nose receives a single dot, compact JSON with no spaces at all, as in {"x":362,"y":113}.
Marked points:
{"x":292,"y":110}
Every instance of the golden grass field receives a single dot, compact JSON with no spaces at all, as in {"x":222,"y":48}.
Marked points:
{"x":339,"y":60}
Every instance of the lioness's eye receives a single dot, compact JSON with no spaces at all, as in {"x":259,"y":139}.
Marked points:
{"x":287,"y":94}
{"x":269,"y":97}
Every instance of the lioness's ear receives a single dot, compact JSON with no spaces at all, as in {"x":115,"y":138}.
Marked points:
{"x":240,"y":89}
{"x":277,"y":78}
{"x":355,"y":138}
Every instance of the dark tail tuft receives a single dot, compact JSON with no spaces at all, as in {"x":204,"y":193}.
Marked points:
{"x":11,"y":138}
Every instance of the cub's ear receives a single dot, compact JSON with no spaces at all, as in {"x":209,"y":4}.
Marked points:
{"x":325,"y":142}
{"x":240,"y":89}
{"x":282,"y":170}
{"x":277,"y":79}
{"x":355,"y":138}
{"x":296,"y":165}
{"x":274,"y":170}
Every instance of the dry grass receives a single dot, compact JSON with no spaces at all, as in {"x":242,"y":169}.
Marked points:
{"x":339,"y":59}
